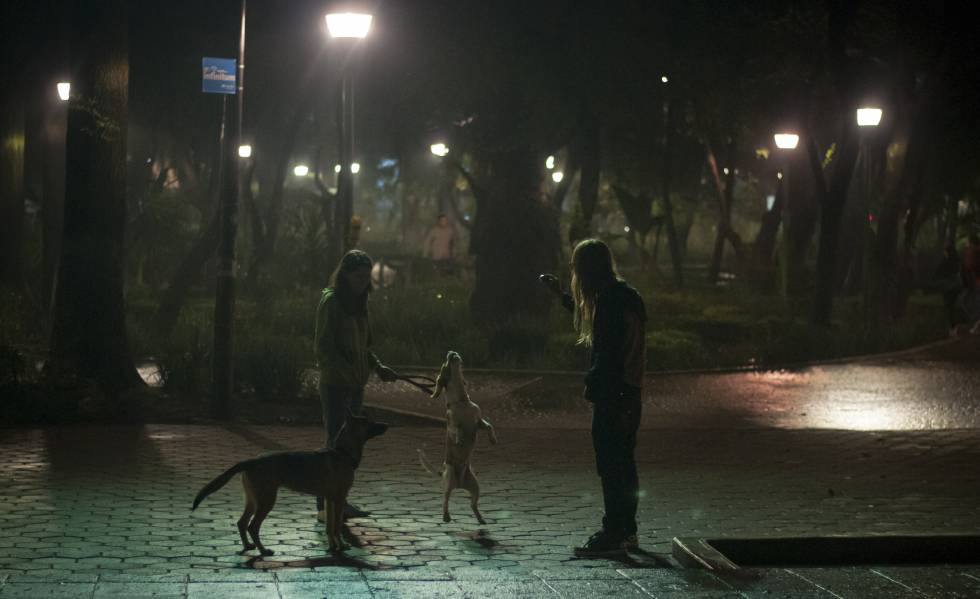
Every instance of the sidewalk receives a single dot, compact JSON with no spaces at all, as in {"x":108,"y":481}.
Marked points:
{"x":98,"y":511}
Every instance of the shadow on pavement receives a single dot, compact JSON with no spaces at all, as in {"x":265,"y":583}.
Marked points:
{"x":339,"y":560}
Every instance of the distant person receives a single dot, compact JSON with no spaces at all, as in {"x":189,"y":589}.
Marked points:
{"x":610,"y":317}
{"x":342,"y":346}
{"x":440,"y":245}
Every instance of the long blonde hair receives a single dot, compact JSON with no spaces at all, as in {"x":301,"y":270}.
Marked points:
{"x":593,"y":268}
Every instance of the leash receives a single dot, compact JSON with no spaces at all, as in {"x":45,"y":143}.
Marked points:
{"x":421,"y":382}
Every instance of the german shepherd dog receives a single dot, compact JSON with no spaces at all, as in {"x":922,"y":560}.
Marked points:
{"x":464,"y":419}
{"x":327,"y":473}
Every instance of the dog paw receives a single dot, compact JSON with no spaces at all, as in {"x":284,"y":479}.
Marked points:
{"x":446,"y":518}
{"x":246,"y":549}
{"x":481,"y":520}
{"x":264,"y":551}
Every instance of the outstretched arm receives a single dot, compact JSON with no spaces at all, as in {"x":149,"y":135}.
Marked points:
{"x":554,"y":285}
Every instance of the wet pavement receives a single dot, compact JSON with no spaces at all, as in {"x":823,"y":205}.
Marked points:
{"x":103,"y":510}
{"x":934,"y":389}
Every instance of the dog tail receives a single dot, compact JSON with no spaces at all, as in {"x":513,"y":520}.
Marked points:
{"x":425,"y":464}
{"x":221,"y":480}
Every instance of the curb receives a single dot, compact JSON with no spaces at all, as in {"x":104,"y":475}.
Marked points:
{"x":722,"y":370}
{"x":721,"y":555}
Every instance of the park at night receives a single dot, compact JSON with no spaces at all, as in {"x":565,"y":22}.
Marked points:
{"x":448,"y":298}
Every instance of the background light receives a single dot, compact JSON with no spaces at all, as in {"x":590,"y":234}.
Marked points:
{"x":557,"y":176}
{"x":348,"y":24}
{"x":64,"y":89}
{"x":439,"y":149}
{"x":245,"y":150}
{"x":868,"y":117}
{"x":549,"y":162}
{"x":663,"y":79}
{"x":336,"y":168}
{"x":301,"y":170}
{"x":779,"y":175}
{"x":786,"y":141}
{"x":355,"y":167}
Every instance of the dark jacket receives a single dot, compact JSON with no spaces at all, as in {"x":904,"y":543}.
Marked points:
{"x":618,"y":356}
{"x":341,"y":343}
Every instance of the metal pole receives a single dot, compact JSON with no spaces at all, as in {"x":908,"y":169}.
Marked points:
{"x":223,"y":378}
{"x":345,"y":182}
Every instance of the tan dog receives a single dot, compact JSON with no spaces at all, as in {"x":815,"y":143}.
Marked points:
{"x":327,"y":473}
{"x":464,"y":420}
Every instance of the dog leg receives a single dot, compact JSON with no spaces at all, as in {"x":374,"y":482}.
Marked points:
{"x":335,"y":520}
{"x":264,"y":505}
{"x":473,"y":486}
{"x":247,"y":514}
{"x":446,"y":492}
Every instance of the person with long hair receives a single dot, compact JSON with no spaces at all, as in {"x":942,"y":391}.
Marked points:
{"x":610,"y":318}
{"x":342,"y":345}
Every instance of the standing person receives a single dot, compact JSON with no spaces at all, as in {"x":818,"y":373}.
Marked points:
{"x":610,"y":317}
{"x":440,"y":245}
{"x":342,"y":342}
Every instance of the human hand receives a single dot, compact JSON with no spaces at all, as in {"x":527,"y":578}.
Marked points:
{"x":386,"y":374}
{"x":551,"y":282}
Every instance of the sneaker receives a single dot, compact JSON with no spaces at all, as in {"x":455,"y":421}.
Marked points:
{"x":601,"y":544}
{"x":630,"y":543}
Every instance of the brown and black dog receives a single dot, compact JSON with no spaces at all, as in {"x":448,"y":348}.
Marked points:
{"x":463,"y":420}
{"x":327,"y":473}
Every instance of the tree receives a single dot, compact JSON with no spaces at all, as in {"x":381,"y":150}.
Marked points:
{"x":88,"y":337}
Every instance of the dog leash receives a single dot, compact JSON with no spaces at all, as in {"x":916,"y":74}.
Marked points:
{"x":421,"y":382}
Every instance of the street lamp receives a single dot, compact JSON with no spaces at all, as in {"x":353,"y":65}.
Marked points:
{"x":549,"y":162}
{"x":868,"y":116}
{"x":355,"y":167}
{"x":64,"y":88}
{"x":301,"y":170}
{"x":786,"y":141}
{"x":439,"y":149}
{"x":354,"y":27}
{"x":244,"y":151}
{"x":557,"y":176}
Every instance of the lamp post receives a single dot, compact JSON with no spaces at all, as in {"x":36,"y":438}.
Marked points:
{"x":787,"y":142}
{"x":867,"y":118}
{"x":354,"y":27}
{"x":64,"y":89}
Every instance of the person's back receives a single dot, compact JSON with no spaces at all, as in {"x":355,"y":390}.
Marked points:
{"x":440,"y":241}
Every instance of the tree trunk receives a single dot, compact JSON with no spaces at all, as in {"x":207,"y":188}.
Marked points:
{"x":519,"y":239}
{"x":726,"y":195}
{"x":88,"y":337}
{"x":12,"y":133}
{"x":668,"y":218}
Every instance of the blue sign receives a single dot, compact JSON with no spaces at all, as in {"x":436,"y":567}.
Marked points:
{"x":218,"y":76}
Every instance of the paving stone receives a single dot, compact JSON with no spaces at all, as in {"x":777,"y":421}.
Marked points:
{"x":304,"y":590}
{"x":231,"y":590}
{"x":37,"y":590}
{"x":122,"y":590}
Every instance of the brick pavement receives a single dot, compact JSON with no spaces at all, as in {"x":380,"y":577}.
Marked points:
{"x":104,"y":511}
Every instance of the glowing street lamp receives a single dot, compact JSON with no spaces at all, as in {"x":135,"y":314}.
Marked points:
{"x":244,"y":151}
{"x":549,"y":162}
{"x":868,"y":116}
{"x":301,"y":170}
{"x":557,"y":176}
{"x":439,"y":149}
{"x":64,"y":88}
{"x":355,"y":167}
{"x":349,"y":25}
{"x":786,"y":141}
{"x":664,"y":79}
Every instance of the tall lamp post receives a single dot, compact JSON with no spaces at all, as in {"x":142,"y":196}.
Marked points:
{"x":353,"y":27}
{"x":223,"y":375}
{"x":786,"y":142}
{"x":867,"y":117}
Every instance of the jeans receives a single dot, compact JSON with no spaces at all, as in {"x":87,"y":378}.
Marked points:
{"x":615,"y":421}
{"x":335,"y":401}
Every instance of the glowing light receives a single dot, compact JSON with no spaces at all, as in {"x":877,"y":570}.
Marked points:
{"x":355,"y":167}
{"x":549,"y":162}
{"x":663,"y":79}
{"x":336,"y":168}
{"x":557,"y":176}
{"x":626,"y":228}
{"x":868,"y":116}
{"x":786,"y":141}
{"x":725,"y":170}
{"x":64,"y":89}
{"x":779,"y":175}
{"x":301,"y":170}
{"x":349,"y":24}
{"x":439,"y":149}
{"x":770,"y":202}
{"x":245,"y":151}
